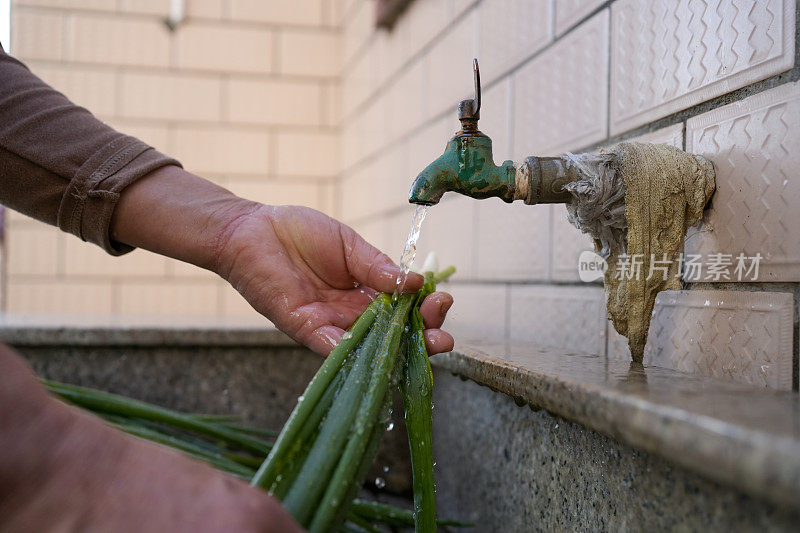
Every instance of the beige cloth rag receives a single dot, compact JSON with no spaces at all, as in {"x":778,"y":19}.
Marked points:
{"x":666,"y":190}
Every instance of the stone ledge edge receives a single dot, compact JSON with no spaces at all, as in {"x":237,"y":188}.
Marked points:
{"x":760,"y":464}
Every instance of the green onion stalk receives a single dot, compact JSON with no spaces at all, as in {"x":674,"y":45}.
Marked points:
{"x":320,"y":458}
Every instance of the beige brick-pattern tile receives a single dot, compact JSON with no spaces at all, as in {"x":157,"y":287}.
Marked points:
{"x":331,"y":107}
{"x":236,"y":307}
{"x":152,"y":133}
{"x":95,"y":5}
{"x":509,"y":31}
{"x":221,"y":47}
{"x":149,"y":7}
{"x":90,"y":87}
{"x":478,"y":312}
{"x":208,"y":9}
{"x":179,"y":269}
{"x":222,"y":150}
{"x":738,"y":336}
{"x":755,"y":146}
{"x":277,"y":192}
{"x":33,"y":249}
{"x":569,"y":12}
{"x":274,"y":102}
{"x":513,"y":241}
{"x":280,"y":12}
{"x":84,"y":259}
{"x":108,"y":40}
{"x":567,"y":318}
{"x":60,"y":296}
{"x":732,"y":44}
{"x":560,"y":99}
{"x":307,"y":154}
{"x":309,"y":53}
{"x":168,"y":298}
{"x":170,"y":96}
{"x":37,"y":34}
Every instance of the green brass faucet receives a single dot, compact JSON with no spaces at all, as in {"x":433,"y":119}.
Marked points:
{"x":467,"y":167}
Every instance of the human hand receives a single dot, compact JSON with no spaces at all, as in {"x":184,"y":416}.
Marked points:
{"x":313,"y":276}
{"x":62,"y":469}
{"x":308,"y":273}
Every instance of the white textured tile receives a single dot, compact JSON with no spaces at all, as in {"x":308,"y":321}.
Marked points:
{"x":423,"y":21}
{"x":449,"y":231}
{"x":513,"y":241}
{"x":478,"y":312}
{"x":667,"y":56}
{"x":569,"y":12}
{"x":450,"y":67}
{"x":509,"y":31}
{"x":745,"y":337}
{"x":496,"y":119}
{"x":755,"y":147}
{"x":560,"y":100}
{"x":672,"y":135}
{"x":376,"y":232}
{"x":567,"y":318}
{"x":568,"y":243}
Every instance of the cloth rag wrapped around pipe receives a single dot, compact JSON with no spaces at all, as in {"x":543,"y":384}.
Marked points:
{"x":637,"y":201}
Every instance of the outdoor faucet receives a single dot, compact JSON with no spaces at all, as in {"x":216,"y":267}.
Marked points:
{"x":467,"y":167}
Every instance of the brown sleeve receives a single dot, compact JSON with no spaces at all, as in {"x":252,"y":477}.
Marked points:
{"x":60,"y":164}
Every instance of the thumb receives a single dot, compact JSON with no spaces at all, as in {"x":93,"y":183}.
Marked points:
{"x":373,"y":268}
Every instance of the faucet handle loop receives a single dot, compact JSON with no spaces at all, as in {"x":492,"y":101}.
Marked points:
{"x":477,"y":76}
{"x":469,"y":111}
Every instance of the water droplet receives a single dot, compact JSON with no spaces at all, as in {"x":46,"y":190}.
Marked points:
{"x":390,"y":426}
{"x":707,"y":303}
{"x":556,"y":426}
{"x":380,"y":482}
{"x":385,"y":468}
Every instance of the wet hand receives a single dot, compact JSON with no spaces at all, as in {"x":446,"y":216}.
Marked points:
{"x":313,"y":276}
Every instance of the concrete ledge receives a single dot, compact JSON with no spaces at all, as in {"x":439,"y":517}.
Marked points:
{"x":40,"y":331}
{"x":744,"y":437}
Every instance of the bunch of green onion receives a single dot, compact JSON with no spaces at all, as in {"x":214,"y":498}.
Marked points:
{"x":321,"y":456}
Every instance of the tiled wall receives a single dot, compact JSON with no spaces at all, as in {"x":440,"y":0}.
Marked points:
{"x":715,"y":76}
{"x":245,"y":89}
{"x":241,"y":92}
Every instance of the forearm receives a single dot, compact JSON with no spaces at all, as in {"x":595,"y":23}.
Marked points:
{"x":175,"y":213}
{"x":43,"y":446}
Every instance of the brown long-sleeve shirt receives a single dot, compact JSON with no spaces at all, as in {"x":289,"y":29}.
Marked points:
{"x":60,"y":164}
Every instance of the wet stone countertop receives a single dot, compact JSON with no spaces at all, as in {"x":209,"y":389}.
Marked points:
{"x":741,"y":436}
